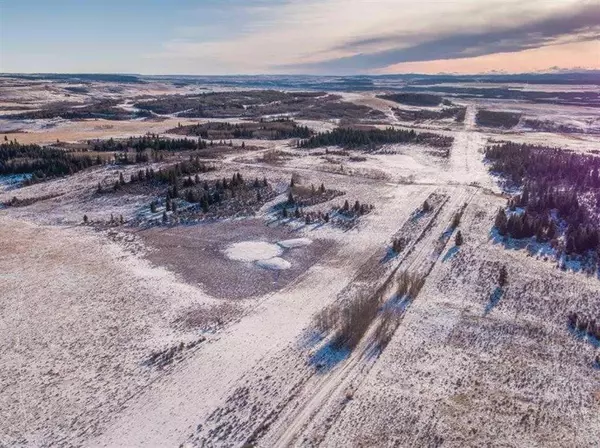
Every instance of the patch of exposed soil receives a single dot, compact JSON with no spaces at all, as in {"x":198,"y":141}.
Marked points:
{"x":196,"y":253}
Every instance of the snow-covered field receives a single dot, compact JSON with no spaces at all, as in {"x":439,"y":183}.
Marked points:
{"x":203,"y":335}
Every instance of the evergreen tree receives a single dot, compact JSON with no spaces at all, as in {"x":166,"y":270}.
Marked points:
{"x":501,"y":222}
{"x":458,"y":239}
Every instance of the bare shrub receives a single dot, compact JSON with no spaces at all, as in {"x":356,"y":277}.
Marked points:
{"x":386,"y":327}
{"x":351,"y":320}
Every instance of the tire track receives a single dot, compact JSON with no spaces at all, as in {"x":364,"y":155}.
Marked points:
{"x":307,"y":420}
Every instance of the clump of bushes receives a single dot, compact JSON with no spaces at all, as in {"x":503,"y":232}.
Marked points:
{"x":350,"y":321}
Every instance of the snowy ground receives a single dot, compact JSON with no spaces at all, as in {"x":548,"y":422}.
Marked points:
{"x":87,"y":311}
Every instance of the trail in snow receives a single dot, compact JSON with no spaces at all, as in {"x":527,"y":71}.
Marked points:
{"x":323,"y":397}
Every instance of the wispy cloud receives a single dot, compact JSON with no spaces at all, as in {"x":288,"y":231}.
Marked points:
{"x":350,"y":36}
{"x":582,"y":24}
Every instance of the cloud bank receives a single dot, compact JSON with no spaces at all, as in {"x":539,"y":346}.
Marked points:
{"x":368,"y":36}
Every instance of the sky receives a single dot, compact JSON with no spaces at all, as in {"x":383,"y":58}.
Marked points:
{"x":212,"y":37}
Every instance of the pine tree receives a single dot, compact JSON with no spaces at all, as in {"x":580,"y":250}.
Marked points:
{"x":458,"y":240}
{"x":456,"y":220}
{"x":85,"y":219}
{"x":501,"y":222}
{"x":153,"y":207}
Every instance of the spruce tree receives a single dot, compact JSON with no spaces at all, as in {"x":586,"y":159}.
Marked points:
{"x":458,"y":240}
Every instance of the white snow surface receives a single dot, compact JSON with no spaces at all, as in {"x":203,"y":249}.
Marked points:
{"x":252,"y":251}
{"x":275,"y":264}
{"x":294,"y":243}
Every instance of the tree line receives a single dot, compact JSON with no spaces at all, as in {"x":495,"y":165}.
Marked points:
{"x":279,"y":129}
{"x":560,"y":195}
{"x":42,"y":163}
{"x":151,"y":142}
{"x":373,"y":138}
{"x":167,"y":176}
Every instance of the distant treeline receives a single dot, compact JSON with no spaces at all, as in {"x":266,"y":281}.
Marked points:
{"x":373,"y":138}
{"x":106,"y":109}
{"x":41,"y":163}
{"x":576,"y":98}
{"x":260,"y":103}
{"x":150,"y":142}
{"x":226,"y":104}
{"x":414,"y":99}
{"x":279,"y":129}
{"x":458,"y":113}
{"x":497,"y":119}
{"x":560,"y":194}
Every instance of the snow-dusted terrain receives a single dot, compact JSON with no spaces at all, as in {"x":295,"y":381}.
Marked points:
{"x":203,"y":334}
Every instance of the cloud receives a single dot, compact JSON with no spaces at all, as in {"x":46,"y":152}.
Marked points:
{"x":575,"y":25}
{"x":365,"y":36}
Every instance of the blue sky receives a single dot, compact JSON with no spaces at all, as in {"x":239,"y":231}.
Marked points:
{"x":297,"y":36}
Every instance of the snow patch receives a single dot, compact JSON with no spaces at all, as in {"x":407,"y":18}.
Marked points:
{"x":274,"y":264}
{"x":294,"y":243}
{"x":253,"y":251}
